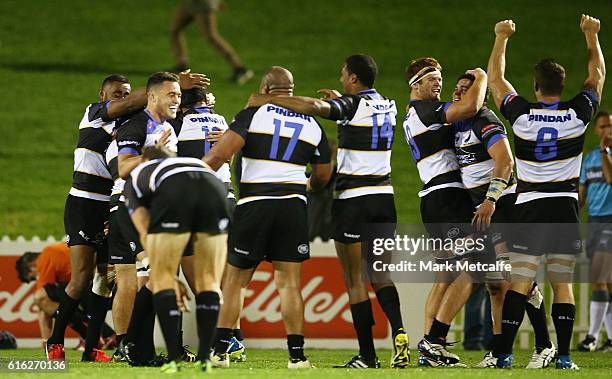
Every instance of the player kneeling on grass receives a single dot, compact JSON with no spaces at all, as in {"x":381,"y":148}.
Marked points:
{"x":173,"y":201}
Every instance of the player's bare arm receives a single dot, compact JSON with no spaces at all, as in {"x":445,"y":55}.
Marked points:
{"x":140,"y":218}
{"x":496,"y":69}
{"x":126,"y":163}
{"x":597,"y":67}
{"x":473,"y":99}
{"x":501,"y":154}
{"x":321,"y":173}
{"x":138,"y":99}
{"x":305,"y":105}
{"x":222,"y":151}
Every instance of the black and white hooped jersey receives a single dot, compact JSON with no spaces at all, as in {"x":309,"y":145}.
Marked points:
{"x":430,"y":139}
{"x":473,"y":138}
{"x":548,"y":142}
{"x":146,"y":178}
{"x":138,"y":132}
{"x":91,"y":178}
{"x":366,"y":126}
{"x":192,"y":128}
{"x":279,"y":143}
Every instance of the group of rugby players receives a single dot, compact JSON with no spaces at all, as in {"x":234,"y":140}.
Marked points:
{"x":158,"y":160}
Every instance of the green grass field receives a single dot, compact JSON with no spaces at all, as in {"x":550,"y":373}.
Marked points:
{"x":272,"y":364}
{"x":54,"y":54}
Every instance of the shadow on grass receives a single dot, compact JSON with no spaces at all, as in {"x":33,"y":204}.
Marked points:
{"x":72,"y":67}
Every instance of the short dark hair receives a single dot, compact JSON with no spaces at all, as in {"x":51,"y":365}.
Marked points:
{"x":601,"y":113}
{"x":115,"y":78}
{"x":157,"y":152}
{"x":471,"y":78}
{"x":418,"y":64}
{"x":193,"y":96}
{"x":23,"y":271}
{"x":159,"y":78}
{"x":364,"y":67}
{"x":549,"y":77}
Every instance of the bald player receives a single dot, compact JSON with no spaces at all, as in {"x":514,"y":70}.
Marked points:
{"x":270,"y":217}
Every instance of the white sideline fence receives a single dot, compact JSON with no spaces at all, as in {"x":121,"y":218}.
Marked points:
{"x":412,"y":297}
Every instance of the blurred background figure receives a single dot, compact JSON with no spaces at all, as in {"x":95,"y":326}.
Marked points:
{"x":477,"y":322}
{"x":596,"y":194}
{"x":51,"y":271}
{"x":205,"y":13}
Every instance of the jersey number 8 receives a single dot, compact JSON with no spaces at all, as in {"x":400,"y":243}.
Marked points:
{"x":546,"y":144}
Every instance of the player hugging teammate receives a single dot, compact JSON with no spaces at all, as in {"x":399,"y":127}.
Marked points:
{"x":177,"y":213}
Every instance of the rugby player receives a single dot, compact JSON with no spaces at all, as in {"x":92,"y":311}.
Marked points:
{"x":485,"y":161}
{"x":145,"y":128}
{"x":173,"y":201}
{"x":549,"y":137}
{"x":270,"y":217}
{"x":87,"y":203}
{"x":198,"y":127}
{"x":445,"y":203}
{"x":596,"y":190}
{"x":205,"y":13}
{"x":364,"y":194}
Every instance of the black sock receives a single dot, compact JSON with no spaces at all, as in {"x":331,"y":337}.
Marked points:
{"x":65,"y":311}
{"x":390,"y":303}
{"x":107,"y":331}
{"x":222,"y":340}
{"x":207,"y":314}
{"x":168,"y":314}
{"x":238,"y":335}
{"x":295,"y":344}
{"x":180,"y":328}
{"x":121,"y":338}
{"x":143,"y":305}
{"x":78,"y":322}
{"x":97,"y":311}
{"x":142,"y":325}
{"x":513,"y":312}
{"x":495,"y":344}
{"x":363,"y":320}
{"x":438,"y":332}
{"x":537,"y":317}
{"x":563,"y":315}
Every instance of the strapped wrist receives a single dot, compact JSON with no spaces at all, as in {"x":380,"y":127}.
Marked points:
{"x":496,"y":188}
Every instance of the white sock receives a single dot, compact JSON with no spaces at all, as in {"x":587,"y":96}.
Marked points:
{"x":608,"y":321}
{"x":598,"y":312}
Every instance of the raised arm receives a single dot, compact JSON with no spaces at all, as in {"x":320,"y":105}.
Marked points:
{"x":496,"y":69}
{"x":596,"y":64}
{"x":473,"y":99}
{"x":305,"y":105}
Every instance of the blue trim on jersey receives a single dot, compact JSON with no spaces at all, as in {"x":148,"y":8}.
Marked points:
{"x":370,"y":91}
{"x":506,"y":99}
{"x":550,"y":106}
{"x":494,"y":139}
{"x":592,"y":94}
{"x":128,"y":150}
{"x":155,"y":122}
{"x":202,"y":109}
{"x":107,"y":104}
{"x":446,"y":106}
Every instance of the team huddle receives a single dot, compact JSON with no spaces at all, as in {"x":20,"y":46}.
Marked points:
{"x":153,"y":195}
